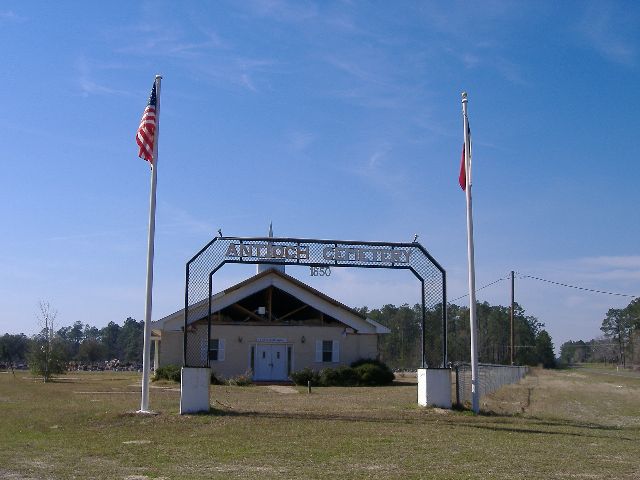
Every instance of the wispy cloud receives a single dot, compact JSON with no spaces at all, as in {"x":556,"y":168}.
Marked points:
{"x":627,"y":262}
{"x":346,"y":24}
{"x":299,"y":141}
{"x":11,"y":16}
{"x":376,"y":170}
{"x":176,"y":219}
{"x":470,"y":60}
{"x":282,"y":10}
{"x":373,"y":79}
{"x":604,"y":29}
{"x":623,"y":269}
{"x":170,"y":219}
{"x":358,"y":70}
{"x":511,"y":71}
{"x":163,"y":40}
{"x":198,"y":49}
{"x":92,"y":235}
{"x":88,"y":85}
{"x":615,"y":274}
{"x":490,"y":22}
{"x":237,"y":72}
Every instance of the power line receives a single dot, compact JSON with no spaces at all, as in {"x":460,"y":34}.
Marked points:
{"x":478,"y":289}
{"x":523,"y":275}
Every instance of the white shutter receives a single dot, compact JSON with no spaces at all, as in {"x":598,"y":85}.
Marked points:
{"x":318,"y":351}
{"x":221,"y":349}
{"x":335,"y":351}
{"x":203,"y":350}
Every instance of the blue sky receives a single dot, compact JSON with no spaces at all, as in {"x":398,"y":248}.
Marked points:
{"x":333,"y":120}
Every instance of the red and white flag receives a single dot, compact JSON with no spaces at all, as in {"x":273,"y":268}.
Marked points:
{"x":462,"y":178}
{"x":147,"y":130}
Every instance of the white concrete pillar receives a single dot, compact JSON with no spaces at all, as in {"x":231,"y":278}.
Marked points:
{"x":434,"y":387}
{"x":194,"y":389}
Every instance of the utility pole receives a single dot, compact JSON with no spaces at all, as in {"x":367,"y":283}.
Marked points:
{"x":511,"y":317}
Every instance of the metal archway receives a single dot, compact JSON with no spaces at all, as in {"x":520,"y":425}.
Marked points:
{"x":315,"y":253}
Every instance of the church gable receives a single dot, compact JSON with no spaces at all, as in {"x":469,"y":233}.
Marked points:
{"x":274,"y":306}
{"x":272,"y":298}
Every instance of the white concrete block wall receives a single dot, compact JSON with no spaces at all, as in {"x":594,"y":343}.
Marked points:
{"x":194,"y":390}
{"x":434,"y":387}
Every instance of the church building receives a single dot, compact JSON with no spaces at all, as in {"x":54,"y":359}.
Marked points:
{"x":270,"y":325}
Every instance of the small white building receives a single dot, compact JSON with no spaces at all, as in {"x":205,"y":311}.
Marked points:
{"x":271,"y":325}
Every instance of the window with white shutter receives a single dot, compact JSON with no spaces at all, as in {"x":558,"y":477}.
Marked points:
{"x":216,"y":352}
{"x":327,"y":351}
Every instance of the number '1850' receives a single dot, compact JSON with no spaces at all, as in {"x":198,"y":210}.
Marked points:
{"x":320,"y":271}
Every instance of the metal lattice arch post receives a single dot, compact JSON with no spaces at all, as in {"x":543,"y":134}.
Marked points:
{"x":201,"y":269}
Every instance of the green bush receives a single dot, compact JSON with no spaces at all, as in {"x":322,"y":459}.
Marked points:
{"x":372,"y":361}
{"x":172,"y":373}
{"x":168,"y":372}
{"x":371,"y":374}
{"x":305,"y":375}
{"x":340,"y":377}
{"x":364,"y":372}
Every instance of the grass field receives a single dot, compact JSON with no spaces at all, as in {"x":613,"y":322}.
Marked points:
{"x":582,"y":423}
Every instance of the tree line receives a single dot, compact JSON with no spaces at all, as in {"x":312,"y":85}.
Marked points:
{"x":619,"y":343}
{"x":53,"y":349}
{"x":81,"y":342}
{"x":401,"y":348}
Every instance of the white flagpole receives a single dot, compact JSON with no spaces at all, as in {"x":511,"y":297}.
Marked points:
{"x":475,"y":392}
{"x":146,"y":357}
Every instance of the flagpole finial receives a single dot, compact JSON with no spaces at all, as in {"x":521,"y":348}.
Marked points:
{"x":464,"y":97}
{"x":158,"y":77}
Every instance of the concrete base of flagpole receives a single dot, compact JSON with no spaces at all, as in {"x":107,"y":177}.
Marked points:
{"x":146,"y":412}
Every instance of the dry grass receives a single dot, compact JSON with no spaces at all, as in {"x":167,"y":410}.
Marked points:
{"x":565,"y":424}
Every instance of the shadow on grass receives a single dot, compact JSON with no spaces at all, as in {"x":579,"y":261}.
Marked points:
{"x":403,"y":383}
{"x":547,"y":422}
{"x":501,"y":424}
{"x":551,"y":431}
{"x":461,"y":419}
{"x":395,"y":383}
{"x":221,"y":412}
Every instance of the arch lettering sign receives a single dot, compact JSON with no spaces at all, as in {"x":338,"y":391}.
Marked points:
{"x":431,"y":277}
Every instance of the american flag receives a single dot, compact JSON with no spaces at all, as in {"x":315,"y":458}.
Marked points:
{"x":147,"y":129}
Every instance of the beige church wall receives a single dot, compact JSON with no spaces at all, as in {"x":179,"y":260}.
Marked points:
{"x":238,"y":340}
{"x":170,"y":352}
